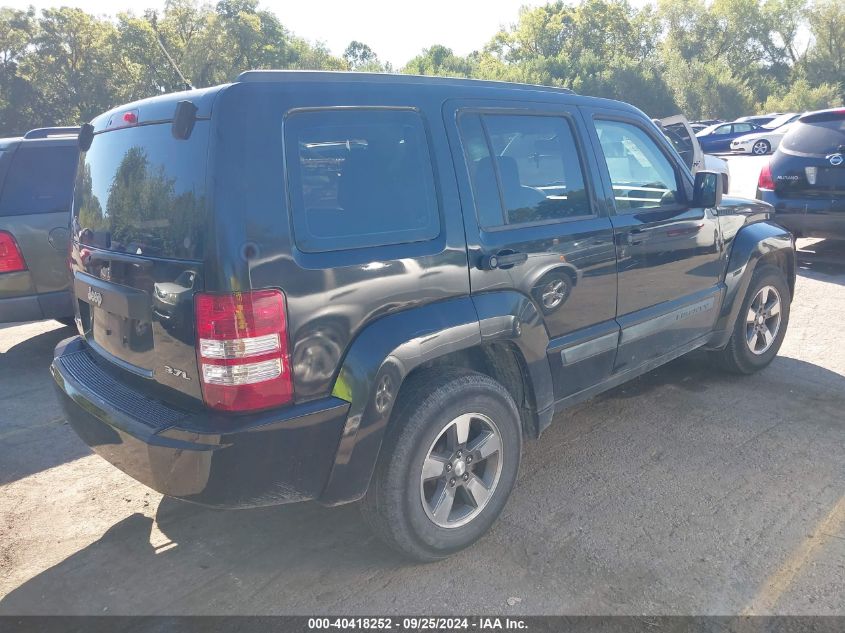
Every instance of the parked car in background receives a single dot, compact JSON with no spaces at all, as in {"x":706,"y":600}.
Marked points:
{"x":758,"y":119}
{"x":679,"y":132}
{"x":437,"y":219}
{"x":36,"y":186}
{"x":718,"y":137}
{"x":761,"y":142}
{"x":781,"y":120}
{"x":703,"y":123}
{"x":805,"y":178}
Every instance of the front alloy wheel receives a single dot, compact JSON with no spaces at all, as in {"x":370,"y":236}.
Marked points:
{"x":762,"y":323}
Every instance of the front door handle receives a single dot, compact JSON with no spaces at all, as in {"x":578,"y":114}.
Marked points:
{"x":502,"y":259}
{"x":637,"y":237}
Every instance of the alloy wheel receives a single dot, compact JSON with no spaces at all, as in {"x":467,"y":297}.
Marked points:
{"x":760,"y":148}
{"x":762,"y":322}
{"x":461,"y":470}
{"x":554,"y":293}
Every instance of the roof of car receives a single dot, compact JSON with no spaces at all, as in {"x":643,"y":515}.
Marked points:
{"x":162,"y":107}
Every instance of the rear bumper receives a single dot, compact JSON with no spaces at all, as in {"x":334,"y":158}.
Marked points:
{"x":808,"y":217}
{"x":50,"y":305}
{"x":219,"y":460}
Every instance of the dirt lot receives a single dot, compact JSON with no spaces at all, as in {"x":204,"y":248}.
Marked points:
{"x":683,"y":492}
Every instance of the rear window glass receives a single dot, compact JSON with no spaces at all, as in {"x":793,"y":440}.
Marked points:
{"x":39,"y":180}
{"x":141,"y":191}
{"x":360,"y":178}
{"x":821,"y":135}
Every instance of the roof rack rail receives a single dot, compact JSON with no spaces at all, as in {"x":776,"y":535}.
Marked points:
{"x":47,"y":132}
{"x":248,"y":76}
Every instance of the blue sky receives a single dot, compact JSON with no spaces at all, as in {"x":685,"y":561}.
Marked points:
{"x":394,"y":33}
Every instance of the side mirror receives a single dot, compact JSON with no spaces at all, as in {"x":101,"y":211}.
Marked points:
{"x":707,"y":191}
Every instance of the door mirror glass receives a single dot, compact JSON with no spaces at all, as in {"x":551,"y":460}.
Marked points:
{"x":708,"y":189}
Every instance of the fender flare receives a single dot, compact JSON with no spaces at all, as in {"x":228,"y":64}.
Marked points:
{"x":390,"y":348}
{"x":752,"y":243}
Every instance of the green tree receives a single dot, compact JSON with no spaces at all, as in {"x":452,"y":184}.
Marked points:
{"x":826,"y":59}
{"x":802,"y":96}
{"x":439,"y":60}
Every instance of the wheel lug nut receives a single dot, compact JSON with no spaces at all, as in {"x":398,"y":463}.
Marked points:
{"x":466,"y":476}
{"x":460,"y":453}
{"x":452,"y":481}
{"x":448,"y":468}
{"x":469,"y":459}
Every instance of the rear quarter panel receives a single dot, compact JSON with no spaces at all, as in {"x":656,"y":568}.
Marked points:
{"x":45,"y":256}
{"x":331,"y":296}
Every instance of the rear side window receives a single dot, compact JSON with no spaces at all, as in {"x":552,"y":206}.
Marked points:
{"x":39,"y":180}
{"x":822,"y":133}
{"x":524,"y":169}
{"x":359,"y":178}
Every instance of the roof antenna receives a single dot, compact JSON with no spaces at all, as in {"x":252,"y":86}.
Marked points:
{"x":188,"y":86}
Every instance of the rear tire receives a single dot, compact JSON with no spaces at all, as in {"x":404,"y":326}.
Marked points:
{"x":447,"y":466}
{"x":761,"y":324}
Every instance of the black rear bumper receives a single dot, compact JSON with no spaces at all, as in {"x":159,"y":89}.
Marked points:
{"x":808,"y":217}
{"x":201,"y":456}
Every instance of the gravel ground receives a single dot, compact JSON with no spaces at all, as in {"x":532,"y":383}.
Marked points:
{"x":683,"y":492}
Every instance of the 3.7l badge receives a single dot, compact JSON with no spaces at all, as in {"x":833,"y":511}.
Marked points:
{"x":179,"y":373}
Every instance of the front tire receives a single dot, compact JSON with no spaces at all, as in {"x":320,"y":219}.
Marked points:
{"x":447,"y":466}
{"x":761,"y":324}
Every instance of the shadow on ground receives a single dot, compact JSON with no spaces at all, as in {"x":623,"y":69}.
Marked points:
{"x":696,"y":477}
{"x":33,"y":434}
{"x":825,"y":257}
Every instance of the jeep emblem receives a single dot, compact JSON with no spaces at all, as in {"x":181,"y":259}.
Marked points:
{"x":95,"y":297}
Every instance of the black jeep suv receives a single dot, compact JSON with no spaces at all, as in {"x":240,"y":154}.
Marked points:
{"x":336,"y":286}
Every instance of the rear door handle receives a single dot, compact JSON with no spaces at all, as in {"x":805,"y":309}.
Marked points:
{"x":504,"y":259}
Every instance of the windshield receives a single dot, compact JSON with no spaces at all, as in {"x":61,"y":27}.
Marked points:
{"x":820,"y":134}
{"x":141,"y":191}
{"x":783,"y":119}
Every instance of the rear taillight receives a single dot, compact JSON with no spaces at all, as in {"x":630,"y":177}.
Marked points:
{"x":242,"y":350}
{"x":765,"y":180}
{"x":11,"y":259}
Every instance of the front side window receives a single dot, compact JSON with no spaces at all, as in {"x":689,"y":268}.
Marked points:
{"x":642,"y":176}
{"x":524,"y":169}
{"x":743,"y":127}
{"x":40,"y":180}
{"x":360,"y":178}
{"x":723,"y":129}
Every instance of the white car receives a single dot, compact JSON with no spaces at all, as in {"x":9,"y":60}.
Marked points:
{"x":764,"y":140}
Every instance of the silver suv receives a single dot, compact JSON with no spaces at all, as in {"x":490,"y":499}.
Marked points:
{"x":36,"y":186}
